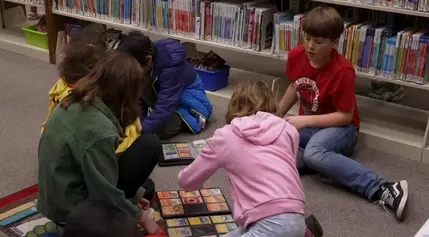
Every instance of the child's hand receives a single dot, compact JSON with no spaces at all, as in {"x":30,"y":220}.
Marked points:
{"x":148,"y":224}
{"x":297,"y":121}
{"x":143,"y":204}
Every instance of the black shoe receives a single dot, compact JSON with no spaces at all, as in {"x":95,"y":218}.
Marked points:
{"x":395,"y":196}
{"x":314,"y":226}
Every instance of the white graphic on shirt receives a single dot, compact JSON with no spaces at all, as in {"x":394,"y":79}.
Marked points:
{"x":308,"y":95}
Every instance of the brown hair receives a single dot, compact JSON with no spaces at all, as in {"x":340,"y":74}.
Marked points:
{"x":80,"y":56}
{"x":323,"y":22}
{"x":116,"y":79}
{"x":250,"y":97}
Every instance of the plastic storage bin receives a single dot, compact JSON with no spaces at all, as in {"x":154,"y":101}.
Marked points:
{"x":36,"y":38}
{"x":214,"y":80}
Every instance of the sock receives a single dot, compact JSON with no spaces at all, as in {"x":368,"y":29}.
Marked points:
{"x":308,"y":232}
{"x":377,"y":195}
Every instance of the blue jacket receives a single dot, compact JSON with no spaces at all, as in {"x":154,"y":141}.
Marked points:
{"x":178,"y":89}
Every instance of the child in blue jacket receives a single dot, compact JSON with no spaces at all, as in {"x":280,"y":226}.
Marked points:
{"x":173,"y":98}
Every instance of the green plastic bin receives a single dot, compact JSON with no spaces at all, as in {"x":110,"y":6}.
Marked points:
{"x":36,"y":38}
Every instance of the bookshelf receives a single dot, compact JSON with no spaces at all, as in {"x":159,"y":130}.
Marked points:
{"x":389,"y":127}
{"x":12,"y":37}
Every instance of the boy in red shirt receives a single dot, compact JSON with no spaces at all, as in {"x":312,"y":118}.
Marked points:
{"x":328,"y":121}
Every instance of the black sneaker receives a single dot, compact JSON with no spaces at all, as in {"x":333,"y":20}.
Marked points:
{"x":395,"y":196}
{"x":313,"y":226}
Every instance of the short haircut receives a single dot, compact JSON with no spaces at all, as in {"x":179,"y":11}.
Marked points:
{"x":80,"y":56}
{"x":323,"y":22}
{"x":99,"y":219}
{"x":248,"y":98}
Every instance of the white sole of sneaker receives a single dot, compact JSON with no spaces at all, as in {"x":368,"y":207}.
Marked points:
{"x":400,"y":214}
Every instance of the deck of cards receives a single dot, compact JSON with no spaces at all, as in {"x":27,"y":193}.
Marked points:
{"x":180,"y":153}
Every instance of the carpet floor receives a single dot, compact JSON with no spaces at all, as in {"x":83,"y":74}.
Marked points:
{"x":24,"y":84}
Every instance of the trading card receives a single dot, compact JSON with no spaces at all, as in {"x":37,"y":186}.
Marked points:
{"x":231,"y":226}
{"x":200,"y":143}
{"x":170,"y":202}
{"x":180,"y":232}
{"x":168,"y":194}
{"x":177,"y":222}
{"x":192,"y":200}
{"x":170,"y":156}
{"x":201,"y":220}
{"x":173,"y":210}
{"x":169,"y":147}
{"x":212,"y":199}
{"x":222,"y":228}
{"x":185,"y":153}
{"x":182,"y":145}
{"x":220,"y":206}
{"x":194,"y":193}
{"x":211,"y":192}
{"x":222,"y":219}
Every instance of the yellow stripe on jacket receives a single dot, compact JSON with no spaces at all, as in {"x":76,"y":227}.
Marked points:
{"x":61,"y":89}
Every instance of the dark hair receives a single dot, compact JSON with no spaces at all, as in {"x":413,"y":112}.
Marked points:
{"x":137,"y":45}
{"x":116,"y":79}
{"x":324,"y":22}
{"x":248,"y":98}
{"x":99,"y":219}
{"x":80,"y":56}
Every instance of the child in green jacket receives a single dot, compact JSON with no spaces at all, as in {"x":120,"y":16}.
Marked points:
{"x":77,"y":160}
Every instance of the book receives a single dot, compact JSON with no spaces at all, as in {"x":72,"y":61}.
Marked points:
{"x":180,"y":153}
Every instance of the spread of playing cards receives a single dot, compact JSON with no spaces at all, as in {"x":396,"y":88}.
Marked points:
{"x":203,"y":212}
{"x":181,"y":153}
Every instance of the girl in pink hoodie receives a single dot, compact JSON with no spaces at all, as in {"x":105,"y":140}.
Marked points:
{"x":258,"y":151}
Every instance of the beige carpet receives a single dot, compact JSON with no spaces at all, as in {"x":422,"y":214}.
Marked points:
{"x":24,"y":84}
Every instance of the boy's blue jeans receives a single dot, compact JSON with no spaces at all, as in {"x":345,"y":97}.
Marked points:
{"x":324,"y":150}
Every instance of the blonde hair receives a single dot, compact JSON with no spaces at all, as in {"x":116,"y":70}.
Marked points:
{"x":250,"y":97}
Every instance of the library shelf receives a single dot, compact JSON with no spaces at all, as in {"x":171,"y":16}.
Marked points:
{"x":375,"y":7}
{"x":390,"y":127}
{"x":264,"y":53}
{"x":13,"y":39}
{"x":25,"y":3}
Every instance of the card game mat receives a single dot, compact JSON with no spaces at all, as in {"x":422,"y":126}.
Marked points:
{"x":203,"y":212}
{"x":180,"y":153}
{"x":19,"y":217}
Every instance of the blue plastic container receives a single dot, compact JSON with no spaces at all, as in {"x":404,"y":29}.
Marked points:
{"x":214,"y":80}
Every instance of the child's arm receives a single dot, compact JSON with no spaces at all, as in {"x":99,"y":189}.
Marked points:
{"x":99,"y":170}
{"x":199,"y":171}
{"x":288,"y":100}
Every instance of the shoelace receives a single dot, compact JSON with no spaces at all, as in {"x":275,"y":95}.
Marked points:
{"x":386,"y":198}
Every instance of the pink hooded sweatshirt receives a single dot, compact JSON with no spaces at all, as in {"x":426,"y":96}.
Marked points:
{"x":259,"y":154}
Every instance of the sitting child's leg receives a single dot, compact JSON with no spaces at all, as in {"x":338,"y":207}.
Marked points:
{"x":97,"y":219}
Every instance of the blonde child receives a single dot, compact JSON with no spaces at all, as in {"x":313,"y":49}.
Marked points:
{"x":258,"y":150}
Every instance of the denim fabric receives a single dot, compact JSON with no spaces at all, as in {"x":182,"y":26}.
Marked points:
{"x":325,"y":151}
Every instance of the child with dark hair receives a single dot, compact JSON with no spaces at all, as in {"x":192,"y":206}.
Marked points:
{"x":173,"y":96}
{"x":77,"y":149}
{"x":79,"y":57}
{"x":99,"y":219}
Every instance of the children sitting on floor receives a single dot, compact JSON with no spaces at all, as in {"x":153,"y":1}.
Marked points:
{"x":79,"y":57}
{"x":258,"y":150}
{"x":77,"y":158}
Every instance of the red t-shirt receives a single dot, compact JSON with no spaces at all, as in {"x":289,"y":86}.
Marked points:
{"x":323,"y":90}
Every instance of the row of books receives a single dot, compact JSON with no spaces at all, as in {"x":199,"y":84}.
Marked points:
{"x":245,"y":24}
{"x":373,"y":48}
{"x":37,"y":2}
{"x":414,"y":5}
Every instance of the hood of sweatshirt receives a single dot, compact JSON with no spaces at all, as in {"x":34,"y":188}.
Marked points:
{"x":260,"y":129}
